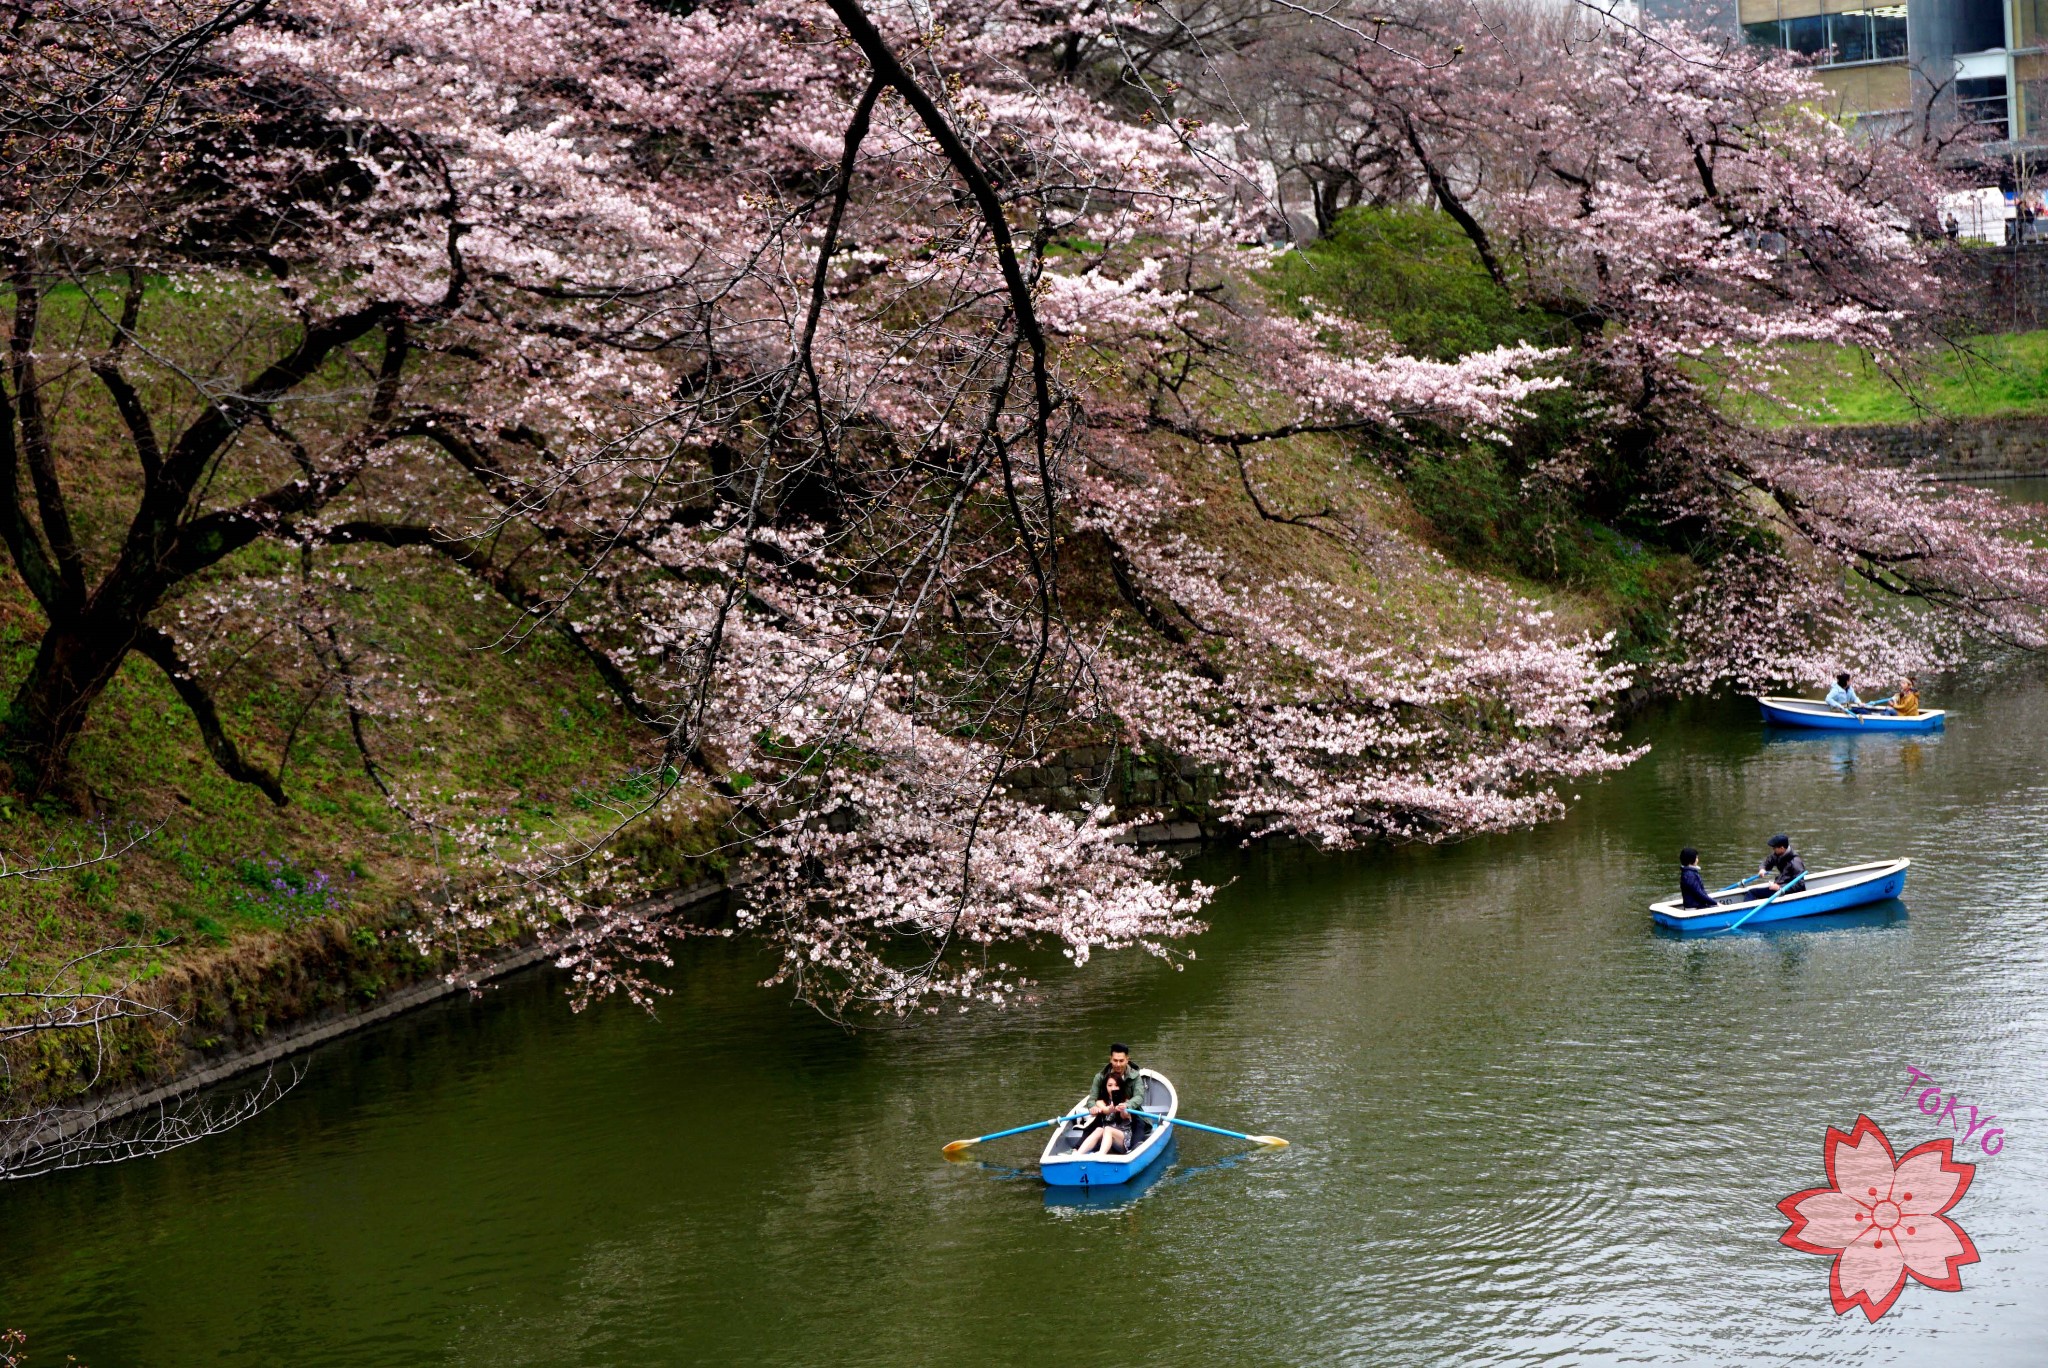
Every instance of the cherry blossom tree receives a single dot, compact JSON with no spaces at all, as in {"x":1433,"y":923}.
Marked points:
{"x":88,"y":88}
{"x":1686,"y":204}
{"x":795,"y":365}
{"x":829,"y":379}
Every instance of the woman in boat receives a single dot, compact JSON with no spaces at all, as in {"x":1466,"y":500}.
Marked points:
{"x":1906,"y":702}
{"x":1692,"y":889}
{"x":1784,"y":862}
{"x":1118,"y":1090}
{"x":1842,"y":696}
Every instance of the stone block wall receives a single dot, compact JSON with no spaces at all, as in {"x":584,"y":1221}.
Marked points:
{"x":1129,"y":781}
{"x":1959,"y":449}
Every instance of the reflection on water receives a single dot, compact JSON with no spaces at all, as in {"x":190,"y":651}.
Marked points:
{"x":1891,"y":913}
{"x":1526,"y":1128}
{"x":1879,"y":753}
{"x":2032,"y":489}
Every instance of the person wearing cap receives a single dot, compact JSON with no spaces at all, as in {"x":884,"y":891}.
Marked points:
{"x":1783,"y":866}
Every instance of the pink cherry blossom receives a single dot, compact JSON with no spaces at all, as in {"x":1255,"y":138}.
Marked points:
{"x":1883,"y":1219}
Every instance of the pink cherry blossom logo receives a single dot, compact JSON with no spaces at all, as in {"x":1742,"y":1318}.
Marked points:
{"x":1883,"y":1219}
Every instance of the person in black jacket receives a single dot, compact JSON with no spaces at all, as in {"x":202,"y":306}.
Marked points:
{"x":1692,"y":889}
{"x":1783,"y":866}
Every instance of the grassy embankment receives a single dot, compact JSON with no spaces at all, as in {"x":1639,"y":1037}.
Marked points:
{"x":1488,"y":505}
{"x":1993,"y":376}
{"x":235,"y":913}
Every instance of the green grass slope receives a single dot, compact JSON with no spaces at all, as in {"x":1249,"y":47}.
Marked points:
{"x":1488,"y":506}
{"x":1995,"y":376}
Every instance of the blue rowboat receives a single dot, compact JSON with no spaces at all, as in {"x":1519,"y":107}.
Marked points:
{"x":1061,"y":1167}
{"x":1831,"y":890}
{"x":1804,"y":712}
{"x":1116,"y":1196}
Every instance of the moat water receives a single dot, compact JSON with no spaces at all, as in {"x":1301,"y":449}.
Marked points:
{"x":1527,"y":1128}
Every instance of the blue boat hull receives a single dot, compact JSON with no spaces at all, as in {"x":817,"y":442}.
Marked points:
{"x":1111,"y":1196}
{"x":1813,"y":719}
{"x":1095,"y":1173}
{"x":1061,"y":1167}
{"x":1887,"y":880}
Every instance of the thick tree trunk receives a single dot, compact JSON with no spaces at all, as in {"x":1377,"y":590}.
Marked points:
{"x":73,"y":666}
{"x":92,"y":631}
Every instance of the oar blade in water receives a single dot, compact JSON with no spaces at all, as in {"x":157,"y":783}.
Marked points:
{"x":959,"y":1145}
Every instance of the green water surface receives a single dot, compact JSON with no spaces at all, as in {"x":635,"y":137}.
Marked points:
{"x":1527,"y":1128}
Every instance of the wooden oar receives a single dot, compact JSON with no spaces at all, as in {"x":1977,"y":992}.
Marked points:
{"x":959,"y":1145}
{"x":1739,"y":883}
{"x":1272,"y":1140}
{"x":1787,"y":888}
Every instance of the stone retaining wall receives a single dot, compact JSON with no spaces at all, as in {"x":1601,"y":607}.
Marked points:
{"x":1129,"y":781}
{"x":234,"y":1018}
{"x":1958,"y":449}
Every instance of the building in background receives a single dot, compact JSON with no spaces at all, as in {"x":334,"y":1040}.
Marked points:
{"x":1716,"y":15}
{"x":1981,"y":63}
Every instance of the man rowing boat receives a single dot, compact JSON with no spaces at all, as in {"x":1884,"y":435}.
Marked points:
{"x":1119,"y":1090}
{"x":1784,"y":862}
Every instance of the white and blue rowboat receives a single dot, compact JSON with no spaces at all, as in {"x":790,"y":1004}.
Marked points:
{"x":1062,"y":1167}
{"x":1831,"y":890}
{"x":1804,"y":712}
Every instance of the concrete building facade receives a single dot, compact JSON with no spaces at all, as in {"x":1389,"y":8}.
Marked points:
{"x":1981,"y":62}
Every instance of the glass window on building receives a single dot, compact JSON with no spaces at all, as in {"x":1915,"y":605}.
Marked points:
{"x":2033,"y":100}
{"x":1849,"y":36}
{"x":1865,"y":35}
{"x":2030,"y":22}
{"x":1982,"y":101}
{"x":1888,"y":30}
{"x":1809,"y":36}
{"x":1979,"y":25}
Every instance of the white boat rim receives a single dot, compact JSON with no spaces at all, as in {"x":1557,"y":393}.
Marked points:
{"x":1815,"y":708}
